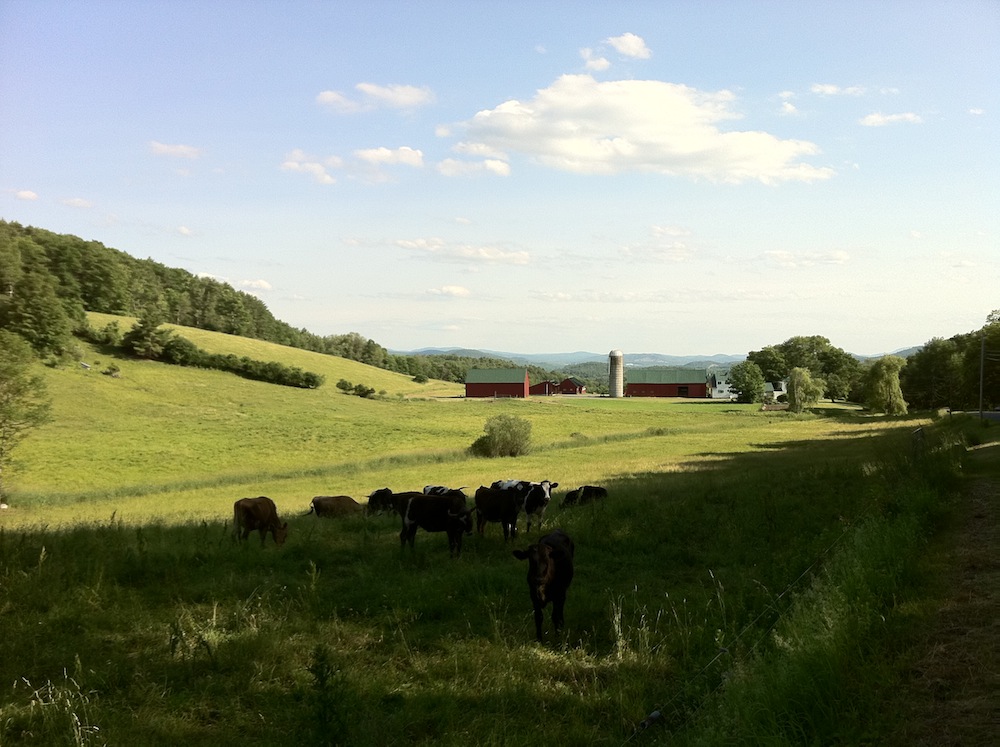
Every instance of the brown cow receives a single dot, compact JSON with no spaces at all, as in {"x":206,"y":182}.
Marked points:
{"x":550,"y":572}
{"x":260,"y":514}
{"x":334,"y":505}
{"x":584,"y":494}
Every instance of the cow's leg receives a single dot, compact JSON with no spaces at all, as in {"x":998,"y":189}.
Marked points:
{"x":557,"y":612}
{"x":538,"y":621}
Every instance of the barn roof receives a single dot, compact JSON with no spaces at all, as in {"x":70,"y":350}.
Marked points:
{"x":666,"y":376}
{"x":496,"y":375}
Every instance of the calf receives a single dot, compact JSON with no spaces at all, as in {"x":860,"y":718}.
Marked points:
{"x":585,"y":494}
{"x":259,"y":514}
{"x":434,"y":513}
{"x":536,"y":496}
{"x":333,"y":505}
{"x":550,"y":572}
{"x":493,"y":504}
{"x":380,"y":501}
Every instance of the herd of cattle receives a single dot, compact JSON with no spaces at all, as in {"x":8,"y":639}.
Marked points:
{"x":442,"y":509}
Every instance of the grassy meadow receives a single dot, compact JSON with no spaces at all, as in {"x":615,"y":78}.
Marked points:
{"x":745,"y":580}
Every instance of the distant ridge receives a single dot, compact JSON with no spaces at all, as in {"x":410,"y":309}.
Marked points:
{"x":558,"y":360}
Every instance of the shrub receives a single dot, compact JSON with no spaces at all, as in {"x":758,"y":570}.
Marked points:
{"x":505,"y":435}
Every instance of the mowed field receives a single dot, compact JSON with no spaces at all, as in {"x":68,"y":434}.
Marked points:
{"x":749,"y":578}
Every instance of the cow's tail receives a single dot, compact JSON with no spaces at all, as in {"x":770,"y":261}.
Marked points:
{"x":312,"y":509}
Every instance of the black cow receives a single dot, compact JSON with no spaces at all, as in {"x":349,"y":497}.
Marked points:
{"x":334,"y":505}
{"x":584,"y":494}
{"x":439,"y":489}
{"x":536,"y":496}
{"x":494,"y":504}
{"x":550,"y":572}
{"x":434,"y":513}
{"x":259,"y":514}
{"x":380,"y":501}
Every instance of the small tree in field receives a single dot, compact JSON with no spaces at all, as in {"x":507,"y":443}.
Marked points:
{"x":506,"y":435}
{"x":23,"y":401}
{"x":747,"y":380}
{"x":803,"y":390}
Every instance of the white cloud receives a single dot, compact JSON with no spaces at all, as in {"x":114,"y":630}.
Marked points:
{"x":256,"y":285}
{"x":879,"y":119}
{"x":630,"y":45}
{"x":829,"y":89}
{"x":916,"y":235}
{"x":584,"y":126}
{"x":298,"y":161}
{"x":25,"y":194}
{"x":453,"y":291}
{"x":373,"y":96}
{"x":590,"y":62}
{"x":795,"y":260}
{"x":976,"y":111}
{"x":184,"y":231}
{"x":388,"y":157}
{"x":673,"y":231}
{"x":788,"y":108}
{"x":442,"y":250}
{"x":78,"y":202}
{"x":454,"y":167}
{"x":174,"y":151}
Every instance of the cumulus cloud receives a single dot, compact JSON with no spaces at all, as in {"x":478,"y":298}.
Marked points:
{"x":452,"y":291}
{"x":581,"y":125}
{"x":630,"y":45}
{"x":389,"y":157}
{"x":592,"y":62}
{"x":468,"y":253}
{"x":184,"y":231}
{"x":976,"y":111}
{"x":455,"y":167}
{"x":373,"y":96}
{"x":174,"y":151}
{"x":829,"y":89}
{"x":78,"y":202}
{"x":878,"y":119}
{"x":300,"y":162}
{"x":25,"y":194}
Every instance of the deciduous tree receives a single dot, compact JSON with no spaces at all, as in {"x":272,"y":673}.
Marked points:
{"x":24,"y":403}
{"x":747,"y":380}
{"x":882,"y":390}
{"x":803,"y":390}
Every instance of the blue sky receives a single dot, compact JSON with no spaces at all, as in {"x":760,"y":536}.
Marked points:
{"x":675,"y":177}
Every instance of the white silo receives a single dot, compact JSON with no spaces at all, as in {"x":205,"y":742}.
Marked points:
{"x":616,"y":374}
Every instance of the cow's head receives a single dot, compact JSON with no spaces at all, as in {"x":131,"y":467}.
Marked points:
{"x":462,"y":519}
{"x":281,"y":533}
{"x":541,"y":567}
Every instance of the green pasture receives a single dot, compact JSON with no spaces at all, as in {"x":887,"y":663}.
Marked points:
{"x":742,"y":559}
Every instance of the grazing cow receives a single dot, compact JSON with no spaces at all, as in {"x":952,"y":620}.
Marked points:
{"x":550,"y":572}
{"x":434,"y":513}
{"x":584,"y":494}
{"x":494,"y":504}
{"x":439,"y":489}
{"x":380,"y":501}
{"x":536,"y":496}
{"x":260,"y":514}
{"x":333,"y":505}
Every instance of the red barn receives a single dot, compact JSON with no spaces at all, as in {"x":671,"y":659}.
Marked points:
{"x":572,"y":385}
{"x":544,"y":388}
{"x":666,"y":382}
{"x":496,"y":382}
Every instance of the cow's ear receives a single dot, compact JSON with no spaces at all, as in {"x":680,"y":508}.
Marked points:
{"x":555,"y":485}
{"x":520,"y":554}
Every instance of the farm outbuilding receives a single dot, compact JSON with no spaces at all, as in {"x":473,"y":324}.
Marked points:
{"x":544,"y":388}
{"x":496,"y":382}
{"x":572,"y":385}
{"x":666,"y":382}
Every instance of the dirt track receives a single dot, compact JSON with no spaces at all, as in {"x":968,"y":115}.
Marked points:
{"x":954,"y":692}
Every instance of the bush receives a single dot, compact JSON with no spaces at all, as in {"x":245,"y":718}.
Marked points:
{"x":505,"y":435}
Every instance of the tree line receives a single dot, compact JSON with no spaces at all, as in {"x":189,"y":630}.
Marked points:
{"x":48,"y":281}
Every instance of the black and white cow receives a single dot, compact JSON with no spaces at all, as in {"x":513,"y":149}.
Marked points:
{"x":439,"y":489}
{"x":434,"y":513}
{"x":584,"y":494}
{"x":536,"y":496}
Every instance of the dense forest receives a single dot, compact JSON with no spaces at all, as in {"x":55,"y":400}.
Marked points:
{"x":48,"y":281}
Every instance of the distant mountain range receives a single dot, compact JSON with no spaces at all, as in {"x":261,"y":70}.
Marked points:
{"x":559,"y":360}
{"x":639,"y":360}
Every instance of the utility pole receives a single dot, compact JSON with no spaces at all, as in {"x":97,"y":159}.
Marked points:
{"x":982,"y":366}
